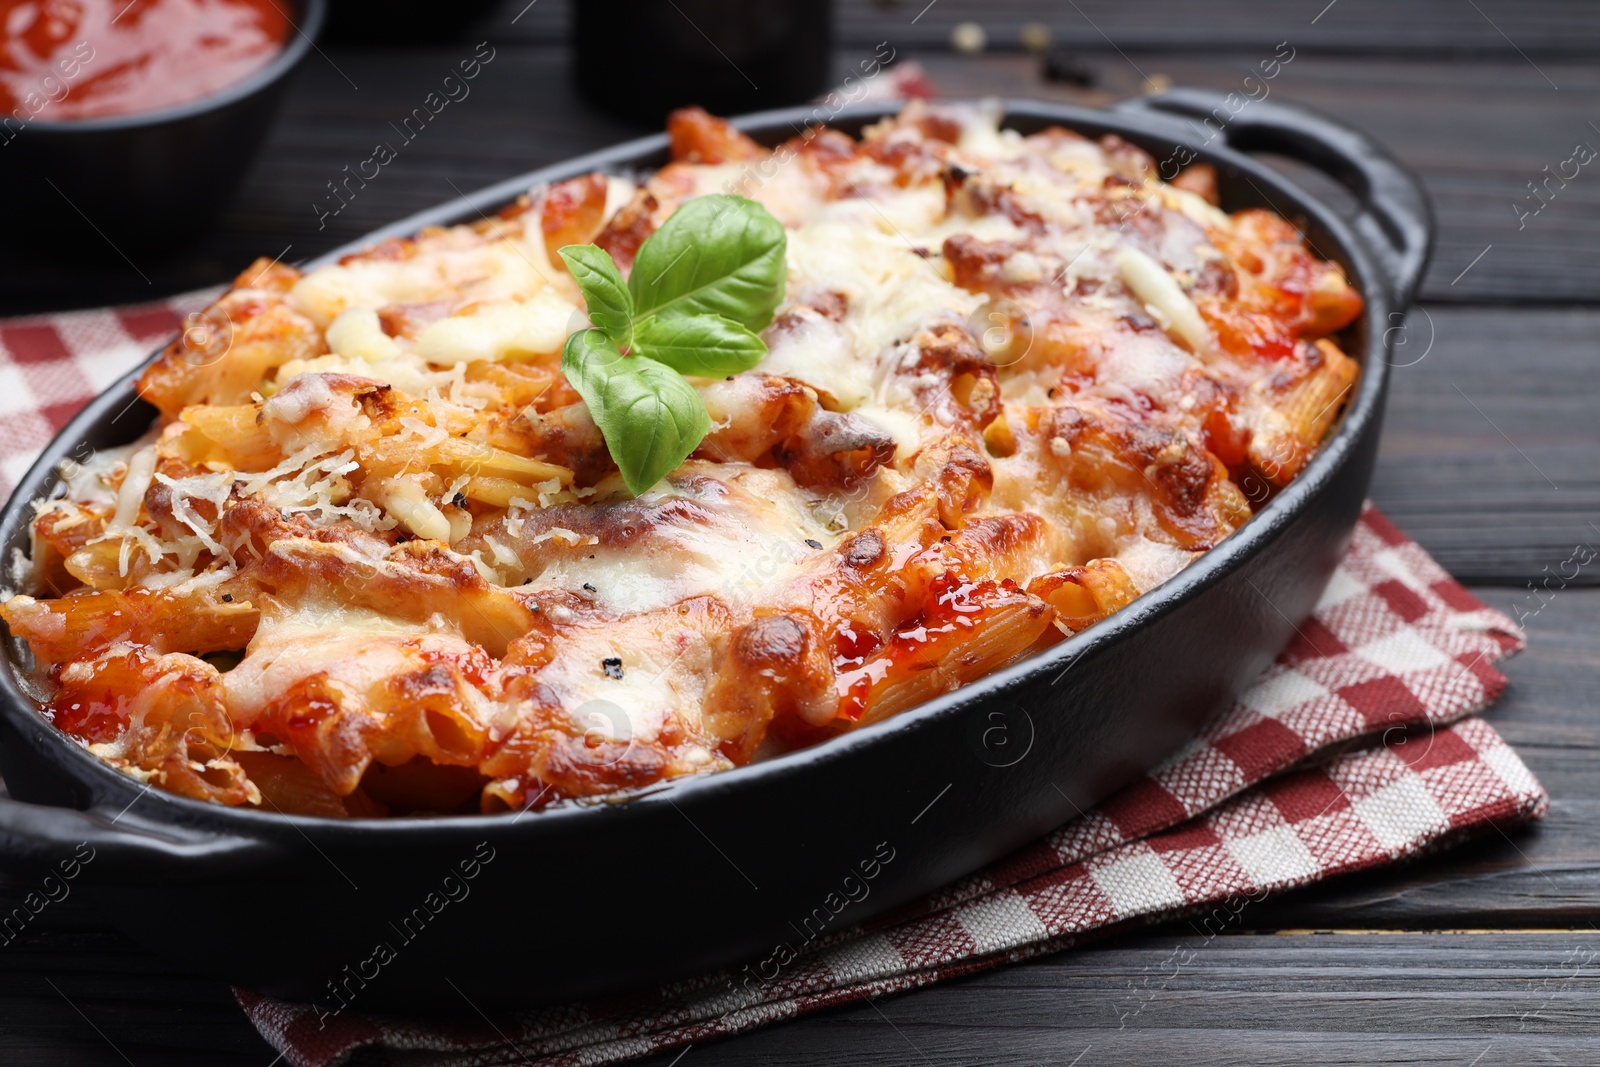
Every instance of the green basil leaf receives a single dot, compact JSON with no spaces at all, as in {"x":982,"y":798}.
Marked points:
{"x":706,"y":345}
{"x":651,"y":418}
{"x":606,"y":294}
{"x":717,"y":255}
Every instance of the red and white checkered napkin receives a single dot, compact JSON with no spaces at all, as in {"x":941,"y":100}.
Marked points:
{"x":52,"y":365}
{"x":1350,"y":752}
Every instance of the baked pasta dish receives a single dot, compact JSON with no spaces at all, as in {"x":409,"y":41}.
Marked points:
{"x":386,"y":551}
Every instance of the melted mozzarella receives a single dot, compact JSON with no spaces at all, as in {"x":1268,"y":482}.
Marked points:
{"x":665,"y":666}
{"x":407,"y":372}
{"x":906,"y":427}
{"x":130,"y":495}
{"x":791,"y":190}
{"x":619,"y":191}
{"x":361,"y":649}
{"x":891,"y":292}
{"x":512,"y":330}
{"x":356,"y":334}
{"x":308,"y":413}
{"x":1149,"y":563}
{"x":477,"y":270}
{"x":981,"y":133}
{"x":1151,"y":283}
{"x":1146,"y":364}
{"x":820,"y":352}
{"x":749,"y":535}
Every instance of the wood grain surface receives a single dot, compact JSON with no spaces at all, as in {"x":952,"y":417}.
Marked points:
{"x":1485,"y":954}
{"x":1477,"y":127}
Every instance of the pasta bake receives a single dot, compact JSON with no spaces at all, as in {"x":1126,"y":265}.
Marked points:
{"x":376,"y":556}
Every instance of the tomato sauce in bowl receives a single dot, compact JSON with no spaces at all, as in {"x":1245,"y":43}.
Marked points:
{"x":63,"y":60}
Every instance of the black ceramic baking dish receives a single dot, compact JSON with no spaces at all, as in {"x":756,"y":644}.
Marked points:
{"x":585,"y":900}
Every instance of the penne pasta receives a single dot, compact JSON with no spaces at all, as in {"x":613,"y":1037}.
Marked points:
{"x":377,"y":556}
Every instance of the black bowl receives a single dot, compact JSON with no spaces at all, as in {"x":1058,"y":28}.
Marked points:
{"x":582,"y":900}
{"x":145,"y":182}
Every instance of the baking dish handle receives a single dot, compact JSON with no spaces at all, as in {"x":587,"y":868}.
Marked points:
{"x":120,"y":845}
{"x":1395,"y":216}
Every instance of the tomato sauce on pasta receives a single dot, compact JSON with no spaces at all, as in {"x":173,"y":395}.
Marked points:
{"x":375,"y":557}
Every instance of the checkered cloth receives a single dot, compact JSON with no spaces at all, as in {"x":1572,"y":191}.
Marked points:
{"x":1353,"y":750}
{"x":51,"y":365}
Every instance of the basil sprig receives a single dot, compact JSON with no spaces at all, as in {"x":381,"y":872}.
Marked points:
{"x":702,"y":285}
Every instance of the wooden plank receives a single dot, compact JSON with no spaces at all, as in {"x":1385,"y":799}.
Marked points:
{"x":1426,"y":27}
{"x":112,"y":1002}
{"x":1429,"y":27}
{"x":1170,"y":993}
{"x":1490,"y":457}
{"x":1402,"y":999}
{"x":1477,"y":132}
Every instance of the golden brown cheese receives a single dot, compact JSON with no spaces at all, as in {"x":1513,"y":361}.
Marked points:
{"x":375,"y":557}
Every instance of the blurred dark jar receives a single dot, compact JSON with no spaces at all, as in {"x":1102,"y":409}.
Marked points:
{"x":140,"y":181}
{"x":639,"y":59}
{"x":367,"y":22}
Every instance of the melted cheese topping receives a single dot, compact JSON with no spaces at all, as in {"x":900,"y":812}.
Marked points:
{"x":359,"y":647}
{"x":496,"y":270}
{"x":891,"y":290}
{"x":730,"y":538}
{"x":658,"y":667}
{"x":511,"y":330}
{"x":1011,"y":388}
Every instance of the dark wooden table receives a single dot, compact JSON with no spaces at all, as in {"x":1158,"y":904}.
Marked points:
{"x":1484,"y":955}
